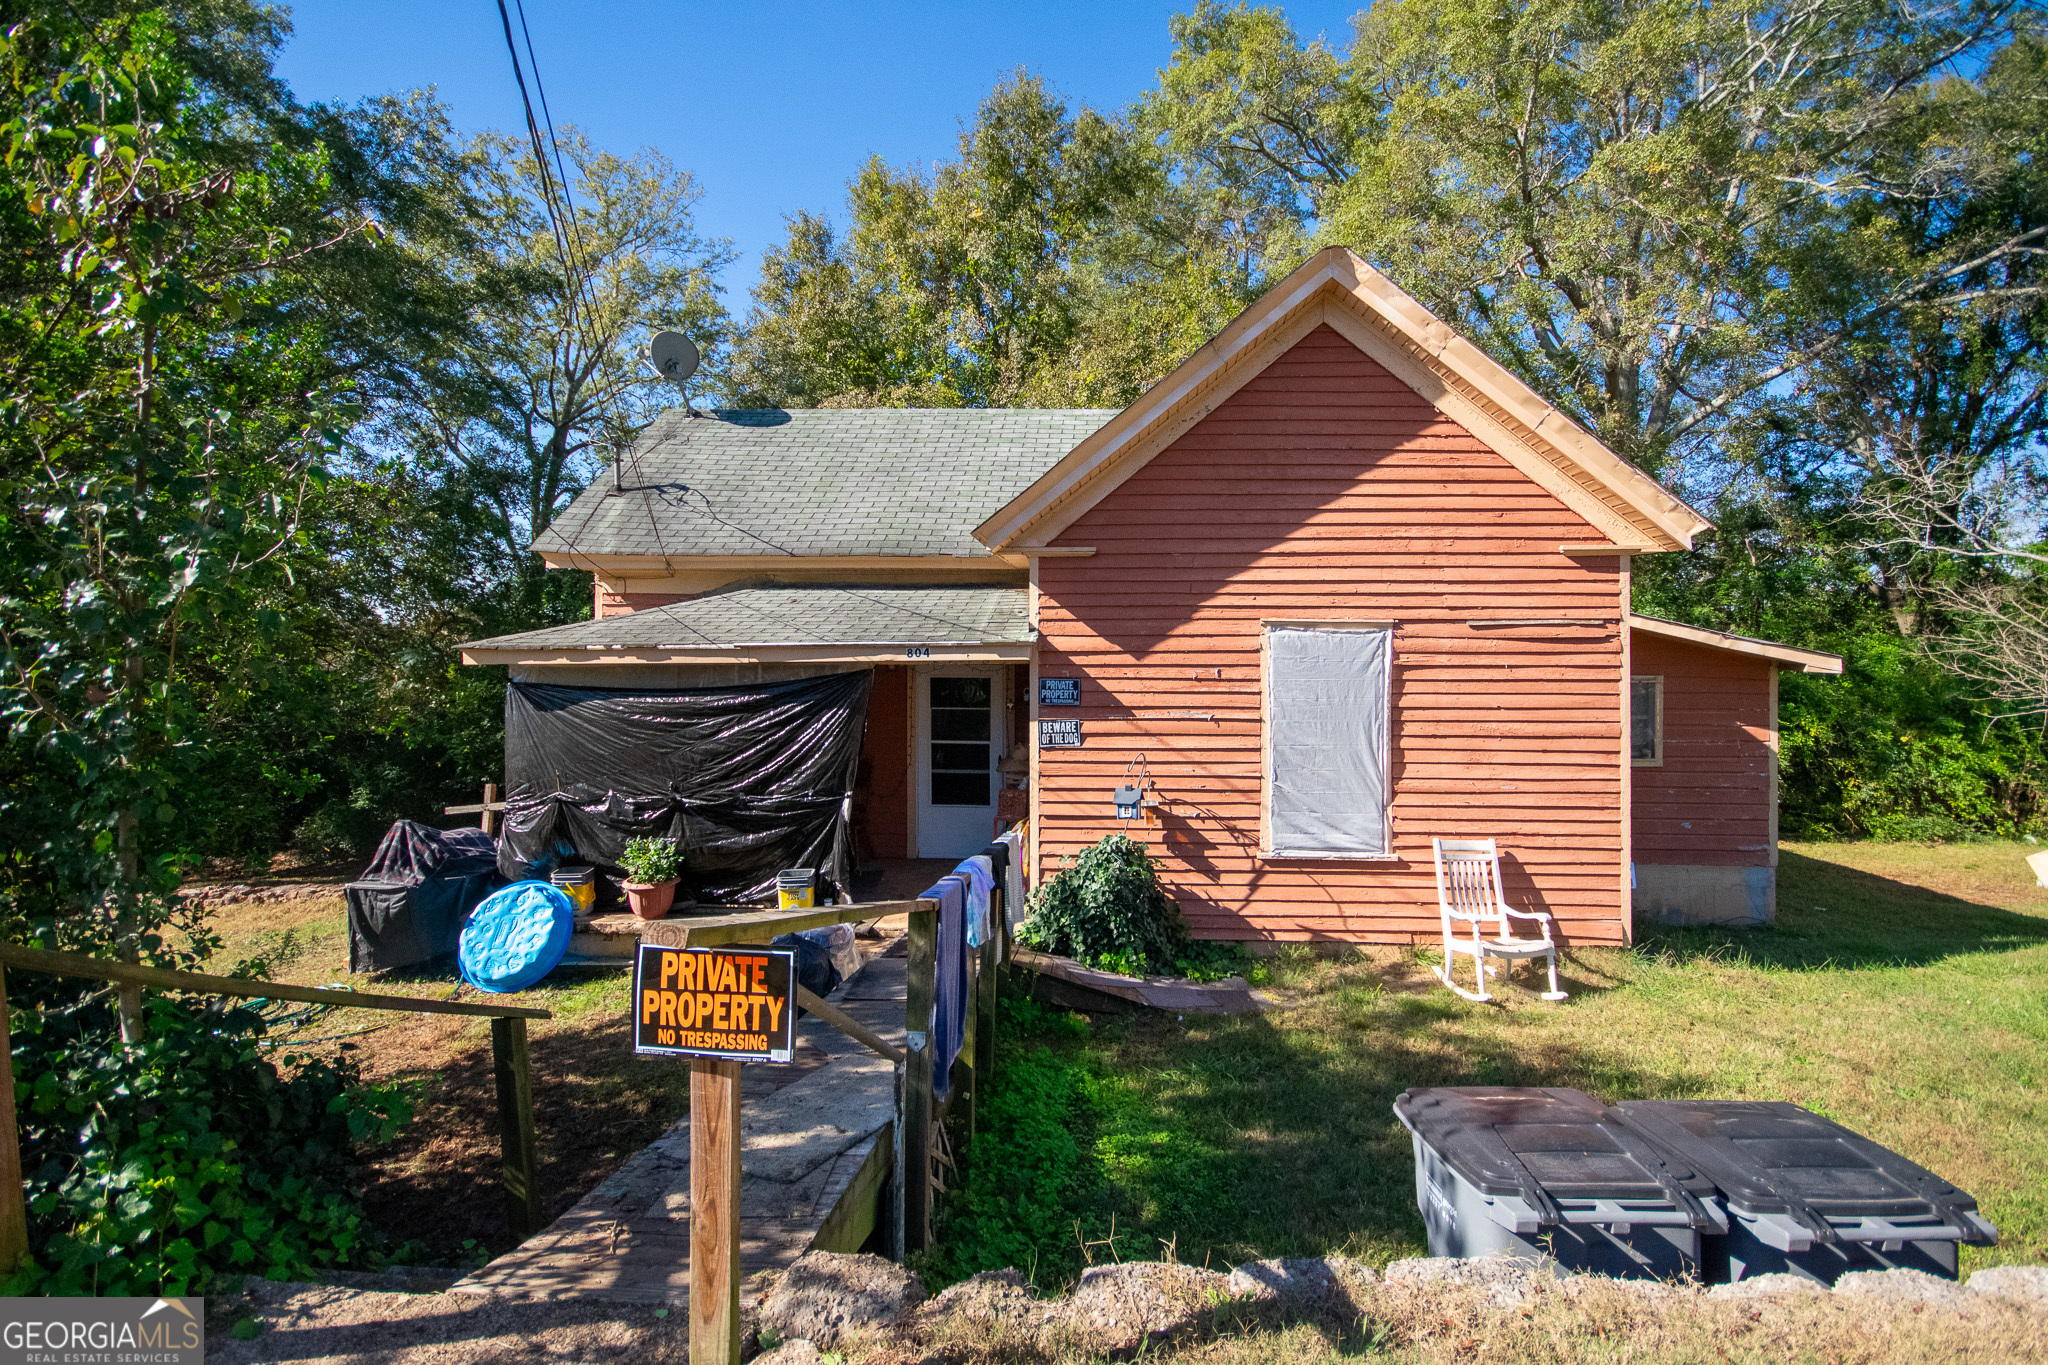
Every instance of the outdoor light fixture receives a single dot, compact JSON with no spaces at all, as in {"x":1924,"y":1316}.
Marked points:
{"x":1130,"y":793}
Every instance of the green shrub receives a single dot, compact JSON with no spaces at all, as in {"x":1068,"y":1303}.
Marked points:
{"x":159,"y":1167}
{"x":1107,"y":909}
{"x":199,"y":1152}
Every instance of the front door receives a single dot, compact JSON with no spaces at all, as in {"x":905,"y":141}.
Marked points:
{"x":958,"y":724}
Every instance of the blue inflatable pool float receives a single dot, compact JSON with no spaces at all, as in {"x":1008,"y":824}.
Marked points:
{"x":515,"y":937}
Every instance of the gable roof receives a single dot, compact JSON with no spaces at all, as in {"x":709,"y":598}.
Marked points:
{"x":1785,"y":656}
{"x":818,"y":481}
{"x":1338,"y":289}
{"x":805,"y":620}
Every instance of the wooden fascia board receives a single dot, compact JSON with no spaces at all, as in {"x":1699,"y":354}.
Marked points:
{"x":1515,"y":446}
{"x":754,"y":654}
{"x":1785,"y":656}
{"x":1485,"y":380}
{"x":1614,"y":497}
{"x":665,"y":566}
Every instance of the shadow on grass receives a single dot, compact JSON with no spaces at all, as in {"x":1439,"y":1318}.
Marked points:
{"x":1229,"y":1139}
{"x":438,"y":1183}
{"x":1837,"y":917}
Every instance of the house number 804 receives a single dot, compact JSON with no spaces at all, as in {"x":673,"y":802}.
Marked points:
{"x":918,"y":652}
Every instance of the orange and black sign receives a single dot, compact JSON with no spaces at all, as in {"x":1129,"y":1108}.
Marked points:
{"x":715,"y":1002}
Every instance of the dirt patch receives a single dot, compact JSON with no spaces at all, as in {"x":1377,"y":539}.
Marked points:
{"x":314,"y":1322}
{"x":437,"y":1186}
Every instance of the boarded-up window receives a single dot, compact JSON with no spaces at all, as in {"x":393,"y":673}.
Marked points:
{"x":1646,"y":721}
{"x":1326,"y":741}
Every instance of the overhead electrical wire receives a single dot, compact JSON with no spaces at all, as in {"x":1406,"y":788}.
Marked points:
{"x":559,"y":203}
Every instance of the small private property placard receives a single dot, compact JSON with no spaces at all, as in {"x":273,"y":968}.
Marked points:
{"x":1059,"y":691}
{"x":736,"y":1003}
{"x":1059,"y":734}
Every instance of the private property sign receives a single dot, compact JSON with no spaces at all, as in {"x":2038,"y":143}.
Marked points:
{"x":736,"y":1003}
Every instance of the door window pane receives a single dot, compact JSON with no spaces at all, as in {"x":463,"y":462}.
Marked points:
{"x":960,"y":757}
{"x":960,"y":760}
{"x":960,"y":724}
{"x":969,"y":692}
{"x":960,"y":789}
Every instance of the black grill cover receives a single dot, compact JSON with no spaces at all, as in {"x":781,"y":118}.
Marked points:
{"x":751,"y":779}
{"x":411,"y":900}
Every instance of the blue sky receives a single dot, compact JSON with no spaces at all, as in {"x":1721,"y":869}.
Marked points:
{"x":772,"y":106}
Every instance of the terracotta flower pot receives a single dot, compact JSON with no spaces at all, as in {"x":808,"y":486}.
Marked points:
{"x":650,"y":900}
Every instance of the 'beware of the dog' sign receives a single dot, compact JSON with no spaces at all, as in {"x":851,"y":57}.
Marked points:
{"x":738,"y":1003}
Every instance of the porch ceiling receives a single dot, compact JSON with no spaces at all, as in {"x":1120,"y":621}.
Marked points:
{"x":789,"y":623}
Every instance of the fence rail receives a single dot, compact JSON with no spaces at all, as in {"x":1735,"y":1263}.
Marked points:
{"x":512,"y":1068}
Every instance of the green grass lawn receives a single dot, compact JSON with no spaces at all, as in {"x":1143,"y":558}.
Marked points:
{"x":1903,"y":992}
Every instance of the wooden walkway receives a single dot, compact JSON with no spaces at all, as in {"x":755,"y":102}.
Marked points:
{"x":816,"y":1147}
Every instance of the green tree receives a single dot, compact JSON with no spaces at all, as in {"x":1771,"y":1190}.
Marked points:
{"x":1057,"y":260}
{"x":162,"y":429}
{"x":548,"y":376}
{"x":1618,"y":201}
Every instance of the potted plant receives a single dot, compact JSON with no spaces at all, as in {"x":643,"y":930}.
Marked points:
{"x":651,"y":867}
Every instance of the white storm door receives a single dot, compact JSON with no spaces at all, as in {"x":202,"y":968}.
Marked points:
{"x":959,"y":724}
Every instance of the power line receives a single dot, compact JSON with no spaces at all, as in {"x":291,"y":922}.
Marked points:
{"x":557,"y":201}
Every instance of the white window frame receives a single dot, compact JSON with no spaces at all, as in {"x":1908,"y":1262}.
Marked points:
{"x":1657,"y":725}
{"x":1266,"y":849}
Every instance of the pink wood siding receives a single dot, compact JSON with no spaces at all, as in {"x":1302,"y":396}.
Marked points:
{"x":620,"y":603}
{"x":1326,"y":488}
{"x":1710,"y":803}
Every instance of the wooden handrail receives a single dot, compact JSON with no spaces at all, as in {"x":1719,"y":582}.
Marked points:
{"x":521,"y":1171}
{"x":758,"y":926}
{"x":98,"y":969}
{"x":848,"y":1025}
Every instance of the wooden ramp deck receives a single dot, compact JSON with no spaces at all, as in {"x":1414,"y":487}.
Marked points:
{"x":817,"y":1146}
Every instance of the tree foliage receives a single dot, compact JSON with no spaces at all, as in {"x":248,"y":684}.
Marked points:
{"x":1057,"y":261}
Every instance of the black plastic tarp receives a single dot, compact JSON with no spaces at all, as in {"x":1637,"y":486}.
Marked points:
{"x":751,"y":779}
{"x":410,"y":902}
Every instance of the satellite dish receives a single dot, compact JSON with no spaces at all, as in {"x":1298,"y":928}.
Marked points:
{"x":674,"y":355}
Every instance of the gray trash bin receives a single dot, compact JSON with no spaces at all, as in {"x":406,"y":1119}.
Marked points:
{"x":1808,"y":1197}
{"x":1553,"y":1173}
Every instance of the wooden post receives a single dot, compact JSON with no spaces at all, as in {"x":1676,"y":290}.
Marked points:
{"x":714,"y":1212}
{"x":985,"y":1009}
{"x":917,"y":1078}
{"x":964,"y":1079}
{"x":13,"y":1209}
{"x":515,"y":1119}
{"x":490,"y":824}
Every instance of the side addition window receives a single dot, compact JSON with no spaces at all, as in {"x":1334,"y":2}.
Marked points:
{"x":1326,"y":741}
{"x":1646,"y":722}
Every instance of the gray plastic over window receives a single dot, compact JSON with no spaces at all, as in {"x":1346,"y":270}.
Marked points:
{"x":1326,"y":706}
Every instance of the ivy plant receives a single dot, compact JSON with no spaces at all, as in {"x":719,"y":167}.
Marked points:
{"x":1106,"y":908}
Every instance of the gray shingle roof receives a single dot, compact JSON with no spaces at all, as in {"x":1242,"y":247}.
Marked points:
{"x":801,"y":615}
{"x":819,"y":481}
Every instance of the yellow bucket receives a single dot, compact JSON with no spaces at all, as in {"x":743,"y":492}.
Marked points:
{"x":579,"y":884}
{"x":797,"y":888}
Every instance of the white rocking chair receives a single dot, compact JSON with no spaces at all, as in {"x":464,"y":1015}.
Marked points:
{"x":1468,"y":893}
